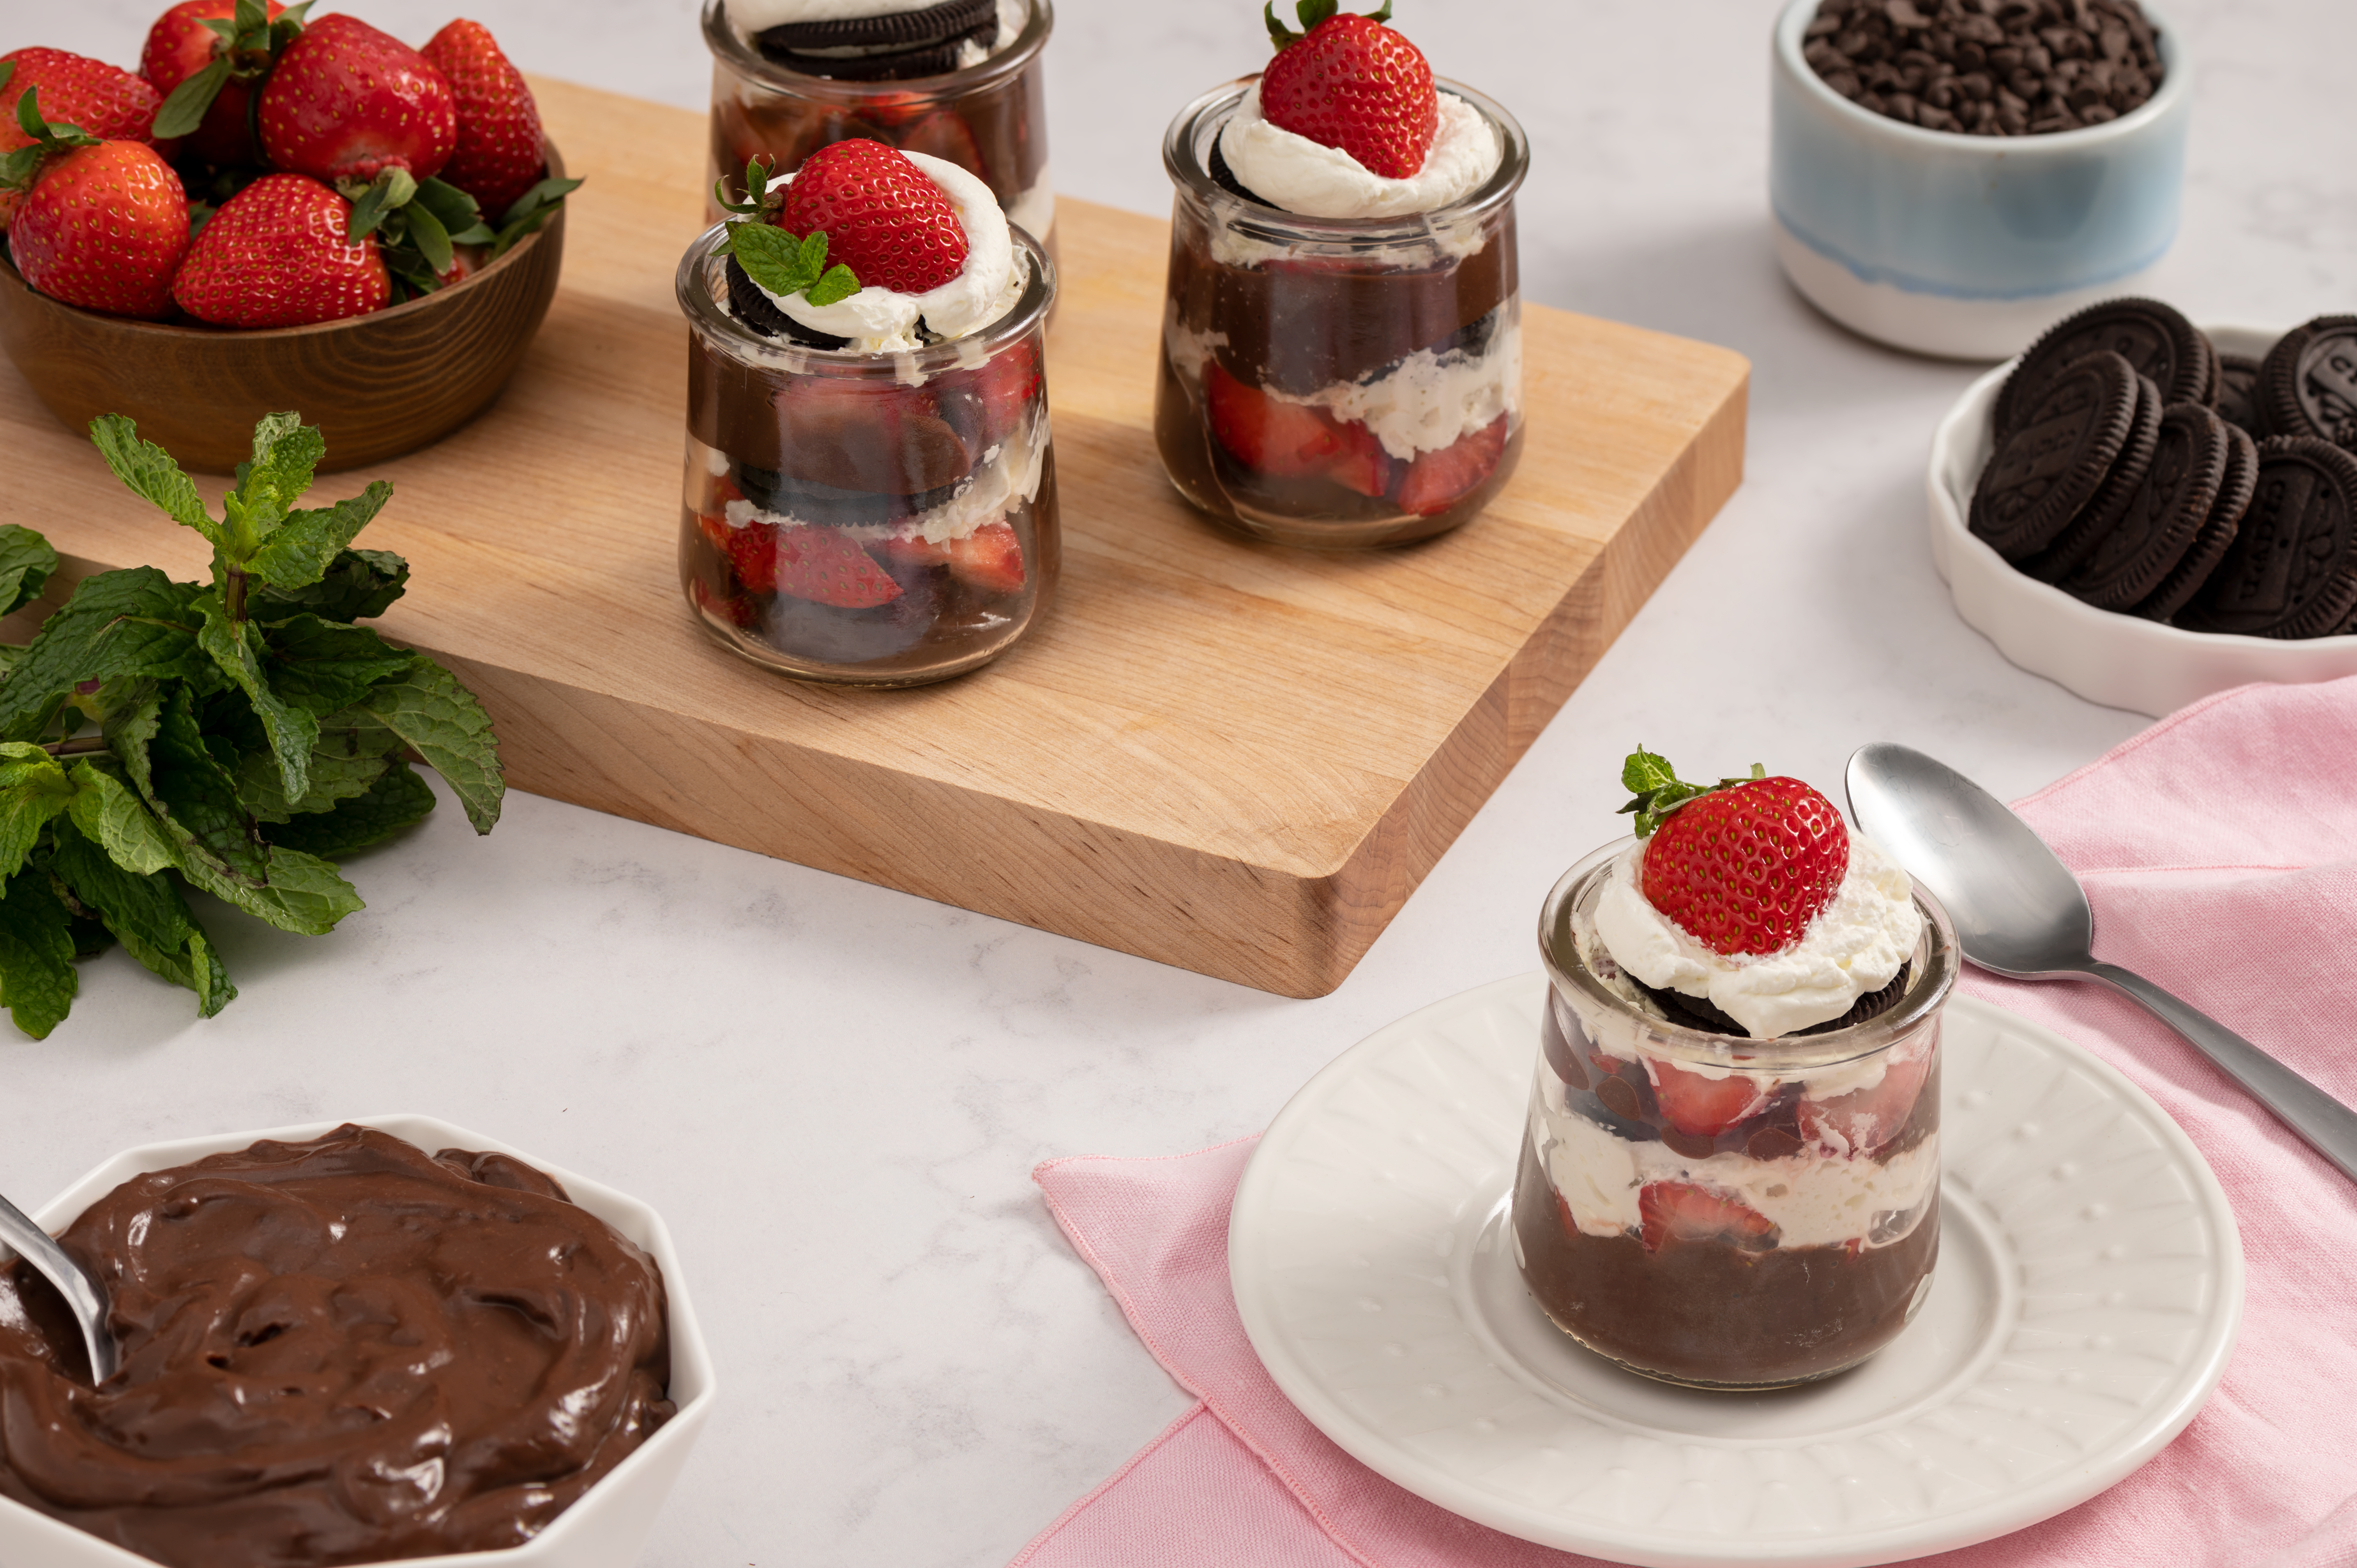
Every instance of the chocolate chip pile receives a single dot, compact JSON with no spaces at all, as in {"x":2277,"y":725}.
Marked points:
{"x":1987,"y":68}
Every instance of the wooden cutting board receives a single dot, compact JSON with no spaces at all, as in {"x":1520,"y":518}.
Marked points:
{"x":1231,"y":758}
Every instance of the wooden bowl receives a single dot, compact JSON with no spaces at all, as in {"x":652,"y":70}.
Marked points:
{"x":376,"y":385}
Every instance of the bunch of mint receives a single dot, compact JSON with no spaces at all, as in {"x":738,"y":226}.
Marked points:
{"x":237,"y":736}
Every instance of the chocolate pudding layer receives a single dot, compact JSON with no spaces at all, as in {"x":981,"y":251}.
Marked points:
{"x":339,"y":1351}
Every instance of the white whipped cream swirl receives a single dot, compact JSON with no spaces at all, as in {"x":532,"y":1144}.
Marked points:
{"x":1318,"y":181}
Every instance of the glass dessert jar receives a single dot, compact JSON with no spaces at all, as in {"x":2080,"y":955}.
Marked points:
{"x":989,"y":118}
{"x":883,"y":518}
{"x":1337,"y":383}
{"x":1721,"y":1211}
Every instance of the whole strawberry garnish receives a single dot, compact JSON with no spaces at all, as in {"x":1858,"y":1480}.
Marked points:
{"x":347,"y":101}
{"x":1743,"y":866}
{"x":277,"y":255}
{"x":96,"y":97}
{"x":1353,"y":83}
{"x":882,"y":217}
{"x":180,"y":48}
{"x":499,"y":157}
{"x":104,"y":223}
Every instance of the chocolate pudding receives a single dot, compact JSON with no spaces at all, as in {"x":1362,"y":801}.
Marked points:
{"x":339,"y":1351}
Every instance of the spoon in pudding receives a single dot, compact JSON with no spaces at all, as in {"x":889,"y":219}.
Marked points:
{"x":2019,"y":912}
{"x":81,"y":1293}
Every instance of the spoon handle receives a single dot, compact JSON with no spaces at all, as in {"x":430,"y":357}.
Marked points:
{"x":2329,"y":1127}
{"x":35,"y":1247}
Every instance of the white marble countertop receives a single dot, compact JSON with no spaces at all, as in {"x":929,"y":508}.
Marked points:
{"x":835,"y":1093}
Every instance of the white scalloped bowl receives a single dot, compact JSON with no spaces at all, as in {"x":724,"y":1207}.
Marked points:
{"x":606,"y":1529}
{"x":2119,"y":661}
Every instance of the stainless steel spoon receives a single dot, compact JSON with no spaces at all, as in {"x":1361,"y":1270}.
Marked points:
{"x":81,"y":1293}
{"x":2019,"y":912}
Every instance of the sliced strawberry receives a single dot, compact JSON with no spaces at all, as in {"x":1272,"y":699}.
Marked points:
{"x":1704,"y":1107}
{"x":1283,"y":440}
{"x":1439,"y":480}
{"x":1362,"y":465}
{"x":909,"y":553}
{"x":1685,"y":1211}
{"x":990,"y":558}
{"x":816,"y":563}
{"x":1864,"y":1119}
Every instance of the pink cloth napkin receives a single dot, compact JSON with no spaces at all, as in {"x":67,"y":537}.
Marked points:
{"x":2219,"y":849}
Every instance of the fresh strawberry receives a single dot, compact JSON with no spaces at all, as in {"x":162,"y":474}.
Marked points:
{"x":104,"y":227}
{"x":734,"y":609}
{"x":1353,"y":83}
{"x":178,"y":47}
{"x":820,"y":564}
{"x":1283,"y":440}
{"x":91,"y":95}
{"x":347,"y":101}
{"x":1704,"y":1107}
{"x":1864,"y":1119}
{"x":910,"y":553}
{"x":1439,"y":480}
{"x":1685,"y":1211}
{"x":1007,"y":385}
{"x":882,"y":218}
{"x":499,"y":156}
{"x":990,"y":558}
{"x":1362,"y":465}
{"x":277,"y":255}
{"x":1743,"y":867}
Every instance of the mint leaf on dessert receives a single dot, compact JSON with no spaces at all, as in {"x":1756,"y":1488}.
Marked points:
{"x":838,"y":283}
{"x":147,"y":914}
{"x":770,"y":257}
{"x":37,"y":980}
{"x":441,"y":721}
{"x":1659,"y":790}
{"x":26,"y":563}
{"x":398,"y":798}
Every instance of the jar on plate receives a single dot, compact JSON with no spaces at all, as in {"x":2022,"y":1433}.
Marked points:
{"x":1718,"y":1211}
{"x":1336,"y":382}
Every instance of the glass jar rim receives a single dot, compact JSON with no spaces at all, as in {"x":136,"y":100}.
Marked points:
{"x":711,"y":315}
{"x":726,"y":44}
{"x":1559,"y":951}
{"x":1182,"y":160}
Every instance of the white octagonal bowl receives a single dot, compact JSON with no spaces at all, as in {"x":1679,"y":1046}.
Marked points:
{"x":609,"y":1524}
{"x":2120,"y":660}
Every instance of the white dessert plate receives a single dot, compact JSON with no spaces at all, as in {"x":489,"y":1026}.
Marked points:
{"x":2119,"y":661}
{"x":2088,"y":1288}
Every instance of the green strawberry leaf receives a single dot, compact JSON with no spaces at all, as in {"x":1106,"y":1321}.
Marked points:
{"x":129,"y":623}
{"x":1311,"y":12}
{"x":252,"y":15}
{"x":440,"y":720}
{"x":300,"y":553}
{"x":184,"y":111}
{"x":236,"y":647}
{"x":456,"y":210}
{"x":529,"y":212}
{"x":373,"y":203}
{"x":26,"y":563}
{"x":38,"y":981}
{"x":109,"y":813}
{"x":358,"y":585}
{"x":151,"y":474}
{"x":33,"y":790}
{"x":396,"y":798}
{"x":431,"y":239}
{"x":146,"y":913}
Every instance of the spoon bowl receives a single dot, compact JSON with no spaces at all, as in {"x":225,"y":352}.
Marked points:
{"x":82,"y":1295}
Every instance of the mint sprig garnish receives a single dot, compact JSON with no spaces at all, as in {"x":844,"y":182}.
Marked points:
{"x":1660,"y":791}
{"x":234,"y":737}
{"x":781,"y":262}
{"x":1309,"y":13}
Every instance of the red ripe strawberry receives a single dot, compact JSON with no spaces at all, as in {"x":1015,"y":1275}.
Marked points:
{"x":276,"y":256}
{"x":1439,"y":480}
{"x":499,"y":157}
{"x":1362,"y":465}
{"x":179,"y":46}
{"x":104,"y":227}
{"x":346,"y":101}
{"x":1744,"y":869}
{"x":1864,"y":1119}
{"x":1685,"y":1211}
{"x":97,"y":98}
{"x":1354,"y":84}
{"x":1281,"y":440}
{"x":1704,"y":1107}
{"x":990,"y":558}
{"x":882,"y":218}
{"x":816,"y":563}
{"x":918,"y":552}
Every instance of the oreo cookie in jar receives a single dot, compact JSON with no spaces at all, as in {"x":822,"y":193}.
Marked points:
{"x":955,"y":79}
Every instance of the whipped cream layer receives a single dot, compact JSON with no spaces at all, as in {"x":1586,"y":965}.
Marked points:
{"x":1856,"y":946}
{"x":1816,"y":1198}
{"x":751,"y":17}
{"x":1430,"y":401}
{"x":1318,"y":181}
{"x":882,"y":320}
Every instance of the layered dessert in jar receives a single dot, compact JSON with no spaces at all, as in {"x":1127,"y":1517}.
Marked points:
{"x":342,"y":1350}
{"x":1732,"y":1174}
{"x":870,"y":491}
{"x":1341,"y":350}
{"x":958,"y":79}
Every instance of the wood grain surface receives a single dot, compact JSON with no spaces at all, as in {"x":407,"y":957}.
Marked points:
{"x":376,"y":385}
{"x":1229,"y":757}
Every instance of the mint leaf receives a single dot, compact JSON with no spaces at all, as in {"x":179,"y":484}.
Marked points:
{"x":337,"y":773}
{"x":441,"y":721}
{"x":771,"y":257}
{"x":110,"y":814}
{"x":302,"y":892}
{"x":150,"y":473}
{"x":136,"y":622}
{"x":359,"y":583}
{"x":839,"y":283}
{"x":1644,"y":771}
{"x":299,"y":553}
{"x":323,"y":668}
{"x":33,"y":788}
{"x":37,"y":951}
{"x":236,"y":648}
{"x":397,"y":798}
{"x":26,"y":563}
{"x":287,"y":452}
{"x":193,"y":796}
{"x":146,"y":914}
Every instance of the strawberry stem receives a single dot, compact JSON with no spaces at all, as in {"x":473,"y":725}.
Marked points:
{"x":1309,"y":13}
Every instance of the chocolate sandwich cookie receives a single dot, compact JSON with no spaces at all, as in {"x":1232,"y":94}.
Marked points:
{"x":1701,"y":1012}
{"x":921,"y":41}
{"x":2098,"y":517}
{"x":2308,"y":385}
{"x":2238,"y":395}
{"x":760,"y":313}
{"x":2152,"y":336}
{"x":2044,"y":473}
{"x":2217,"y":536}
{"x":2292,"y":569}
{"x":2164,"y":515}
